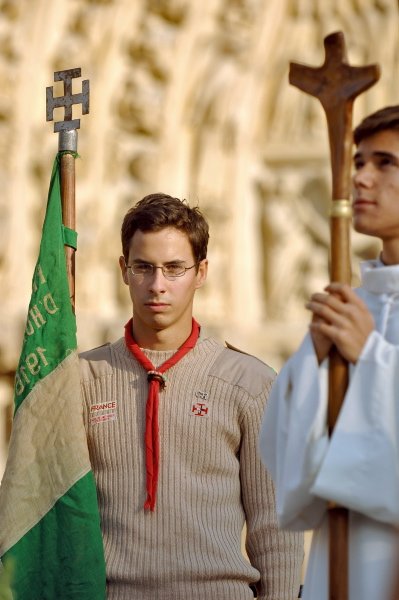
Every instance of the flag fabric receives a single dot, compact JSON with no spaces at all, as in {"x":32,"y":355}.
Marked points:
{"x":50,"y":536}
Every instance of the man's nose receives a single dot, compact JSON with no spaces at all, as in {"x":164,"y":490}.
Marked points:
{"x":157,"y":280}
{"x":364,"y":176}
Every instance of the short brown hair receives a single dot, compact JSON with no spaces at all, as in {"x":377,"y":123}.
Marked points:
{"x":157,"y":211}
{"x":381,"y":120}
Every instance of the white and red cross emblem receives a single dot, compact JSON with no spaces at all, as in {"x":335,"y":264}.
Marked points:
{"x":199,"y":409}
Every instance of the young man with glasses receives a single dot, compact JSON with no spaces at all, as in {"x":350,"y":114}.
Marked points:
{"x":173,"y":419}
{"x":358,"y":466}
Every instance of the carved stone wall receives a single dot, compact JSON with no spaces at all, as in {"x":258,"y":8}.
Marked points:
{"x":190,"y":98}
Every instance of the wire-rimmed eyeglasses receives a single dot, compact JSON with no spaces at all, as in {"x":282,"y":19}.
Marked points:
{"x":170,"y":271}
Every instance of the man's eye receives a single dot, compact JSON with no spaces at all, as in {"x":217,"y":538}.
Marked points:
{"x":385,"y":161}
{"x":142,"y":268}
{"x":174,"y":268}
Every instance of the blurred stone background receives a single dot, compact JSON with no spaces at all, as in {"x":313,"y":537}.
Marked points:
{"x":190,"y":98}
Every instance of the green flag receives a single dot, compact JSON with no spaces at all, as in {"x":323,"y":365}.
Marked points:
{"x":50,"y":537}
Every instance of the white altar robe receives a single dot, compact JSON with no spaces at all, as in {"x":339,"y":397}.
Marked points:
{"x":359,"y":466}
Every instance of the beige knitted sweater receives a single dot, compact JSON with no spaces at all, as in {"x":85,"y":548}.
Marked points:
{"x":211,"y":479}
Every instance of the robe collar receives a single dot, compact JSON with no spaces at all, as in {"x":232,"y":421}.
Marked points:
{"x":378,"y":278}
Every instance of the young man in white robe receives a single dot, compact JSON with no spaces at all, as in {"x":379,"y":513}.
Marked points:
{"x":358,"y":467}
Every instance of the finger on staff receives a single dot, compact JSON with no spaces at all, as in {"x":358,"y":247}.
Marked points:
{"x":342,"y":317}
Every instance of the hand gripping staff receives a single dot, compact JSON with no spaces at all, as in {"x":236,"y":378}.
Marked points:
{"x":336,"y":84}
{"x":68,"y":145}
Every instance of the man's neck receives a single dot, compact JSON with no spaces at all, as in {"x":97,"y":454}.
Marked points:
{"x":170,"y":338}
{"x":390,"y":252}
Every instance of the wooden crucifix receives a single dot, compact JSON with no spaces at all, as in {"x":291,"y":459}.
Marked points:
{"x":68,"y":145}
{"x":336,"y":84}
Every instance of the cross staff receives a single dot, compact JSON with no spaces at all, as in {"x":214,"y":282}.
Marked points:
{"x":336,"y":84}
{"x":67,"y":100}
{"x":68,"y":143}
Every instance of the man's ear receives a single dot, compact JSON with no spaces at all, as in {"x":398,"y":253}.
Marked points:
{"x":202,"y":273}
{"x":122,"y":264}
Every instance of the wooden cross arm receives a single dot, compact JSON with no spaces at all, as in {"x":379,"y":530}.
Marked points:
{"x":336,"y":84}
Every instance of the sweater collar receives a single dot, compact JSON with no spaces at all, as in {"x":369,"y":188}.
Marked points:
{"x":378,"y":278}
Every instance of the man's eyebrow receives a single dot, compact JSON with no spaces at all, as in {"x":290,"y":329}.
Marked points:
{"x":168,"y":262}
{"x":140,"y":260}
{"x":174,"y":261}
{"x":382,"y":154}
{"x":377,"y":154}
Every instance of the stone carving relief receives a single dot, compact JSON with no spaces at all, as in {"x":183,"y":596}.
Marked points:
{"x":295,"y":241}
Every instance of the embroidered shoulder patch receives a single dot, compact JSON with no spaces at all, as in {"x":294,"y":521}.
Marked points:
{"x":106,"y":411}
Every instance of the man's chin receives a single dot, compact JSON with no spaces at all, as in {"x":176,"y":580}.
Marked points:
{"x":365,"y":228}
{"x":159,"y":322}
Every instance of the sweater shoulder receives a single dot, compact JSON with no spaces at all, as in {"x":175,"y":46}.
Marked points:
{"x":243,"y":370}
{"x":98,"y":362}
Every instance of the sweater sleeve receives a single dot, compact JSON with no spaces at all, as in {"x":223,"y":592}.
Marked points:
{"x":277,"y":554}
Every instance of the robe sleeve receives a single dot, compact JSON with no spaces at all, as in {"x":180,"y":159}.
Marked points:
{"x":360,"y":469}
{"x":294,"y":438}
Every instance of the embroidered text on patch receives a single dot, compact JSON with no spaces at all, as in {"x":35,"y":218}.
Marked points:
{"x":100,"y":413}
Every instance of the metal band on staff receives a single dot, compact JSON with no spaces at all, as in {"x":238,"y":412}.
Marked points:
{"x":341,"y":209}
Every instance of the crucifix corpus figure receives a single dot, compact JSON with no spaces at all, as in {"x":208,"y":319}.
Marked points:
{"x":328,"y":445}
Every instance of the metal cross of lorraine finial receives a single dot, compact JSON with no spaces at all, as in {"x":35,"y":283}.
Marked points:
{"x":67,"y":100}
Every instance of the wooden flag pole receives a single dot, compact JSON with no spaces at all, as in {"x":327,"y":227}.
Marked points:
{"x":69,"y":207}
{"x":336,"y":84}
{"x":68,"y":146}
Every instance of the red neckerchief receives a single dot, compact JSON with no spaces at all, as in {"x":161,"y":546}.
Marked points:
{"x":157,"y":382}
